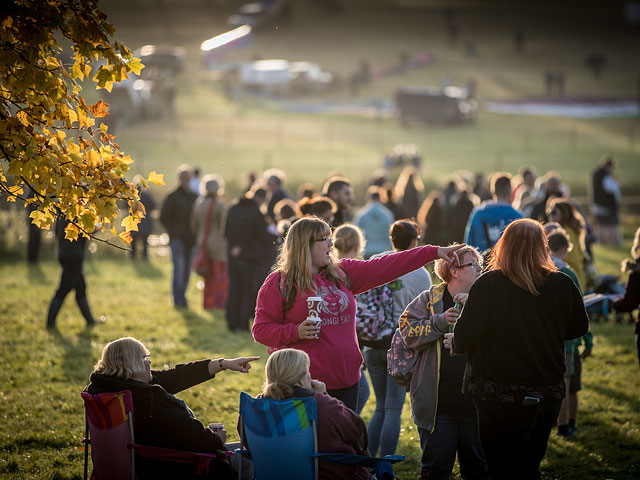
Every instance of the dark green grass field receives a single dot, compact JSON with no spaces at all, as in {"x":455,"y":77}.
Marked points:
{"x":43,"y":372}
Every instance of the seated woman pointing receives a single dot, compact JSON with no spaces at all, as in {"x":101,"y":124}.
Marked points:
{"x":161,"y":419}
{"x":305,"y":268}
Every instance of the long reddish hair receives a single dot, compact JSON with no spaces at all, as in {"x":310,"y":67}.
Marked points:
{"x":522,"y":255}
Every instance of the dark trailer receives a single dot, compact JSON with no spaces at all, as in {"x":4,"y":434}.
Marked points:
{"x":435,"y":105}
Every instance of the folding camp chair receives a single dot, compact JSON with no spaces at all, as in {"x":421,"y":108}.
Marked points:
{"x":281,"y":438}
{"x":109,"y":431}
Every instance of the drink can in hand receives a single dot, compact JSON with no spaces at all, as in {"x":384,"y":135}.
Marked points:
{"x":216,"y":427}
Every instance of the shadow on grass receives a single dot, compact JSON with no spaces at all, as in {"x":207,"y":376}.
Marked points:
{"x":35,"y":274}
{"x":145,"y":269}
{"x":207,"y":329}
{"x":600,"y":450}
{"x":76,"y":355}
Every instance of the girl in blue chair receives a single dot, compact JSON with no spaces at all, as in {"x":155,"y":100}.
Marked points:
{"x":339,"y":428}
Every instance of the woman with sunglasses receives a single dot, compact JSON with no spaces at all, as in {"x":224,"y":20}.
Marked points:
{"x":306,"y":268}
{"x":513,"y":326}
{"x":446,"y":418}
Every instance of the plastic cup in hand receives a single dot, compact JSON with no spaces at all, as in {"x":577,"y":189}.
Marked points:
{"x":313,"y":304}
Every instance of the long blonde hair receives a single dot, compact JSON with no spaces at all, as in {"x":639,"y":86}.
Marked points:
{"x":122,"y":358}
{"x":630,"y":264}
{"x":522,"y":255}
{"x":294,"y":261}
{"x":283,"y":370}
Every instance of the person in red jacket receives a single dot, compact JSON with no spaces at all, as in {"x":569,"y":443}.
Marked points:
{"x":306,"y":268}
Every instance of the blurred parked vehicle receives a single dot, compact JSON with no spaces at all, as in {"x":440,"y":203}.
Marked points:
{"x":167,"y":58}
{"x":435,"y":105}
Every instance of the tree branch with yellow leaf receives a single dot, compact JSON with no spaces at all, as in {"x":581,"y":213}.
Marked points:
{"x":80,"y":175}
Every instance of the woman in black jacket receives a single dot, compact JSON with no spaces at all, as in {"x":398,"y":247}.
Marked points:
{"x":161,"y":419}
{"x":513,"y":326}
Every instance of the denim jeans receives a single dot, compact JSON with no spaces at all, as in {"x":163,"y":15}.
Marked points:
{"x":453,"y":433}
{"x":514,"y":437}
{"x":182,"y":257}
{"x":363,"y":391}
{"x":384,"y":428}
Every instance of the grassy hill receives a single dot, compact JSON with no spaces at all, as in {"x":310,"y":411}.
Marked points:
{"x":232,"y":138}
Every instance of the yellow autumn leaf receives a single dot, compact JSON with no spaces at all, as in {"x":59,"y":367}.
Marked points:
{"x":130,"y":223}
{"x":41,"y":219}
{"x":156,"y":178}
{"x":126,"y":159}
{"x":71,"y":232}
{"x":22,"y":118}
{"x":135,"y":65}
{"x":93,"y":157}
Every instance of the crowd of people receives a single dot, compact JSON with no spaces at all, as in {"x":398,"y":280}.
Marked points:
{"x":499,"y":340}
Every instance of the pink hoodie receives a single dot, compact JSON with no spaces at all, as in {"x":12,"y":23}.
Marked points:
{"x":335,"y":356}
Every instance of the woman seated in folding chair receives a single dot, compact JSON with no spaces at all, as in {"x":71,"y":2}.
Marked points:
{"x":160,"y":419}
{"x":340,"y":430}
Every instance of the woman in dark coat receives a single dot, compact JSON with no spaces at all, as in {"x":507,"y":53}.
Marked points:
{"x":513,"y":327}
{"x":161,"y":419}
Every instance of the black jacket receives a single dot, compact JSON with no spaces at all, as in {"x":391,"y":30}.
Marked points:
{"x":631,"y":299}
{"x":246,"y":228}
{"x":175,"y":215}
{"x":161,"y":420}
{"x":67,"y":248}
{"x":516,"y":338}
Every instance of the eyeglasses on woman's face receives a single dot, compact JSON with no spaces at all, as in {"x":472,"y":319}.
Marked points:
{"x":475,"y":265}
{"x":146,"y":358}
{"x":323,"y":239}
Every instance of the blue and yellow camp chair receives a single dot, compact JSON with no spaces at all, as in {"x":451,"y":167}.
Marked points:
{"x":281,"y":438}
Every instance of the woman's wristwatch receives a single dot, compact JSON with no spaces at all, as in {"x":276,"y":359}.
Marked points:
{"x":220,"y":360}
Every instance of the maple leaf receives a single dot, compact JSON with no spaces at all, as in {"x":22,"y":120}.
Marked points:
{"x":156,"y":178}
{"x":99,"y":109}
{"x":126,"y":237}
{"x":135,"y":65}
{"x":130,"y":223}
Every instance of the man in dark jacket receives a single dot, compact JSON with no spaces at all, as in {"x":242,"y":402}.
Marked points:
{"x":249,"y":243}
{"x":175,"y":215}
{"x":71,"y":257}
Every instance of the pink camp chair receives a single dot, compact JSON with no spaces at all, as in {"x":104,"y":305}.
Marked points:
{"x":109,"y":432}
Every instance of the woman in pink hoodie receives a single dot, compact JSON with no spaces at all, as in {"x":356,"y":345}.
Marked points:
{"x":305,"y":268}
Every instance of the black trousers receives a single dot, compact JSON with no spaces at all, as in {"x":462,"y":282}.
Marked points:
{"x":241,"y":299}
{"x":514,"y":437}
{"x":72,"y":278}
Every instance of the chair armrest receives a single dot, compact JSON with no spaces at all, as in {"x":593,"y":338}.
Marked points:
{"x":201,"y":459}
{"x":243,"y":452}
